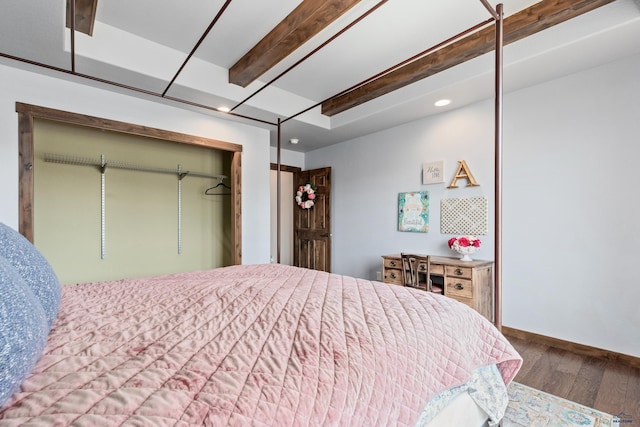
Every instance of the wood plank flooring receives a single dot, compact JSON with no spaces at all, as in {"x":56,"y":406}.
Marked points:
{"x":606,"y":385}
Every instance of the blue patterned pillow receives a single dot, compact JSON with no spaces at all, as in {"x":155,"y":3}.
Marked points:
{"x":34,"y":269}
{"x":23,"y":330}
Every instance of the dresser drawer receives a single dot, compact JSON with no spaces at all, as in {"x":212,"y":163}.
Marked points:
{"x":467,"y":302}
{"x":458,"y":288}
{"x":393,"y":263}
{"x":453,"y":271}
{"x":393,"y":276}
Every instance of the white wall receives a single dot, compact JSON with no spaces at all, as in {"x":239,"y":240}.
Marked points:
{"x":368,"y":173}
{"x":288,"y":157}
{"x":571,"y":197}
{"x":28,"y":87}
{"x":571,"y":237}
{"x":286,"y":217}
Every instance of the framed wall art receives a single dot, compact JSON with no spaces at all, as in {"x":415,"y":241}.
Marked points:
{"x":433,"y":172}
{"x":413,"y":211}
{"x":464,"y":216}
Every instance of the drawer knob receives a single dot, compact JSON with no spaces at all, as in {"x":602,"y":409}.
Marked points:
{"x":458,"y":272}
{"x":423,"y":267}
{"x":459,"y":286}
{"x":392,"y":263}
{"x":392,"y":275}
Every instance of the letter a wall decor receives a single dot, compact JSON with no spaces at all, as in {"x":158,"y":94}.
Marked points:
{"x":463,"y":172}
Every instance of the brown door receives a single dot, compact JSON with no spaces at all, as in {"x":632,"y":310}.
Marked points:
{"x":312,"y":227}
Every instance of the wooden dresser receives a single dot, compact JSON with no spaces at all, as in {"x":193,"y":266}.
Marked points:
{"x":470,"y":282}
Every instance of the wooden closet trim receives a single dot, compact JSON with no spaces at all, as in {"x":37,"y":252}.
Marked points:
{"x":26,"y":115}
{"x":285,"y":168}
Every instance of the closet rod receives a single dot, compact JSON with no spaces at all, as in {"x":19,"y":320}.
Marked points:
{"x":86,"y":161}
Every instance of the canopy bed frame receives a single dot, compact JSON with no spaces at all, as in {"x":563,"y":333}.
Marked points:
{"x":330,"y":106}
{"x":520,"y":25}
{"x":457,"y":49}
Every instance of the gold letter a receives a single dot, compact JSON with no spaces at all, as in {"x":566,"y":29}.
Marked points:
{"x":463,"y":172}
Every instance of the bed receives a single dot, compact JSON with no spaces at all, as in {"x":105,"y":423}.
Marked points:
{"x":244,"y":345}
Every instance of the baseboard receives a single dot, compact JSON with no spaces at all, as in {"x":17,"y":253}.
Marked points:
{"x":571,"y":346}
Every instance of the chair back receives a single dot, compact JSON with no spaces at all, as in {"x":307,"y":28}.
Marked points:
{"x":416,"y":271}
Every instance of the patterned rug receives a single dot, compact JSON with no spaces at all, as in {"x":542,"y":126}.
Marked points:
{"x":529,"y":407}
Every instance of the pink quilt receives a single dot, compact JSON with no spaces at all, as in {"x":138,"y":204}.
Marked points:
{"x":262,"y":345}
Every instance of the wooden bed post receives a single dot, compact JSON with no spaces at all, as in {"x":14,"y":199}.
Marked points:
{"x":498,"y":15}
{"x":497,"y":306}
{"x":278,"y":197}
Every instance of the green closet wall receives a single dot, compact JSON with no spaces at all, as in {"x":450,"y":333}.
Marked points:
{"x":141,"y":227}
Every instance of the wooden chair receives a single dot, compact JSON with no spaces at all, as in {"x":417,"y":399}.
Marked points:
{"x":416,"y":272}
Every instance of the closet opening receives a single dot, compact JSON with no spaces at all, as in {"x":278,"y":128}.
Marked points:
{"x":123,"y":200}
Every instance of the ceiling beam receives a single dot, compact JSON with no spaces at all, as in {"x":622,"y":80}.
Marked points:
{"x":531,"y":20}
{"x":306,"y":20}
{"x":85,"y":15}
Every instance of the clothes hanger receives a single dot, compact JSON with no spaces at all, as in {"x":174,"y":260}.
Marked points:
{"x":220,"y":184}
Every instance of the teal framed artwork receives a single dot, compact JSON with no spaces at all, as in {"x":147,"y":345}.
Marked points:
{"x":413,"y":211}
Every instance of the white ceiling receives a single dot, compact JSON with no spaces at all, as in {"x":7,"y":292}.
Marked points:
{"x":143,"y":44}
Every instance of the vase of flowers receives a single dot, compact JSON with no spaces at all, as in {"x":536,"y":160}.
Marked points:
{"x":465,"y":246}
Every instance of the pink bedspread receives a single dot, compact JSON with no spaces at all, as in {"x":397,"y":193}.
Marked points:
{"x":252,"y":345}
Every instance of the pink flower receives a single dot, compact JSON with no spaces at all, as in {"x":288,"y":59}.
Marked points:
{"x":463,"y":241}
{"x":311,"y":196}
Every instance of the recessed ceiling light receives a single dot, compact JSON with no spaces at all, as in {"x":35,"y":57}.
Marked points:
{"x":224,"y":109}
{"x":442,"y":102}
{"x":294,"y":141}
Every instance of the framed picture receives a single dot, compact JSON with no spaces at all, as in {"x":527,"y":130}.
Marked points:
{"x":464,"y":216}
{"x":433,"y":172}
{"x":413,"y":211}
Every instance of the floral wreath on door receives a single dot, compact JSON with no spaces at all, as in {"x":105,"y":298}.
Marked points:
{"x":306,"y":195}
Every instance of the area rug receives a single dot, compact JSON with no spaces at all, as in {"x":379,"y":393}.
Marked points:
{"x":529,"y":407}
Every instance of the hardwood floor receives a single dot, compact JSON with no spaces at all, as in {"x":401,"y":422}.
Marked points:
{"x":607,"y":385}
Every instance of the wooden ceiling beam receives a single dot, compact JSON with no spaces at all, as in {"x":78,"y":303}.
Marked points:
{"x":538,"y":17}
{"x":85,"y":15}
{"x":304,"y":22}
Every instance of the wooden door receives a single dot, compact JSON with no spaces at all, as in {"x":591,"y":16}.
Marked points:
{"x":312,"y":227}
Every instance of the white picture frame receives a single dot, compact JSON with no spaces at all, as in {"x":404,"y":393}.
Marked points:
{"x":433,"y":172}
